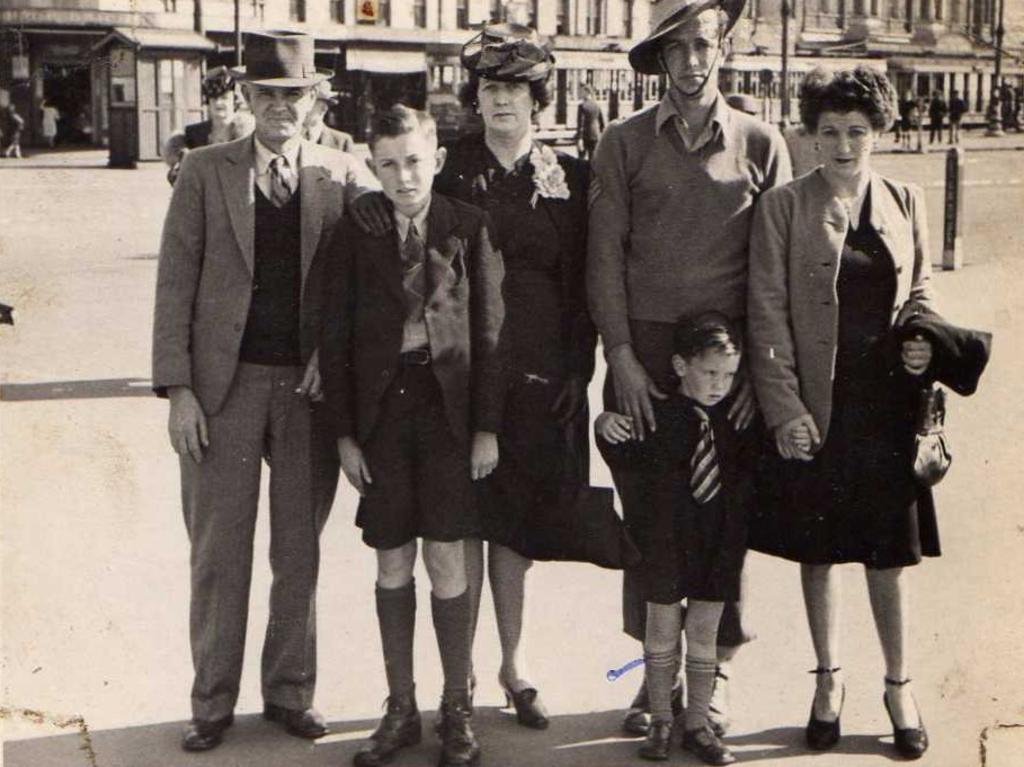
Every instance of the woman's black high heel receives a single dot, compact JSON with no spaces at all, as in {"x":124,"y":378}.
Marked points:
{"x":530,"y":712}
{"x":822,"y":735}
{"x":911,"y":742}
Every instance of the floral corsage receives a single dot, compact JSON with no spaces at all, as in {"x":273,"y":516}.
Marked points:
{"x":548,"y":176}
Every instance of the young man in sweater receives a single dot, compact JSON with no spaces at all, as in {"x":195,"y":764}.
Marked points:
{"x":672,"y":202}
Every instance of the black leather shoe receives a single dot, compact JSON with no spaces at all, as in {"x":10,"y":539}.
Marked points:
{"x":638,"y":718}
{"x":400,"y":727}
{"x":706,"y":746}
{"x":659,"y":740}
{"x":202,"y":734}
{"x":820,"y":734}
{"x":307,"y":724}
{"x":911,"y":742}
{"x":530,"y":712}
{"x":459,"y":747}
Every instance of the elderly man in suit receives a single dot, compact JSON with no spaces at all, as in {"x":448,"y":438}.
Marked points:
{"x":236,"y":322}
{"x":317,"y":131}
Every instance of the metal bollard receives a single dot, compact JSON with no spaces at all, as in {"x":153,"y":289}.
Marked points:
{"x":953,"y":207}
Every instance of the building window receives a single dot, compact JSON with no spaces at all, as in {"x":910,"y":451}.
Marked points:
{"x":171,"y":6}
{"x":497,"y":11}
{"x":595,"y":17}
{"x":562,"y":17}
{"x":462,"y":14}
{"x":384,"y":11}
{"x":627,"y":18}
{"x":297,"y":10}
{"x":753,"y":9}
{"x":419,"y":13}
{"x":338,"y":11}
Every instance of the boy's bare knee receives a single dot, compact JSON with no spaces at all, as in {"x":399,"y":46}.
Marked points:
{"x":446,"y":565}
{"x":395,"y":566}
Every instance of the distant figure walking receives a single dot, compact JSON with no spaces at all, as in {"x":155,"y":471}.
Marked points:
{"x":50,"y":115}
{"x":14,"y":123}
{"x":589,"y":123}
{"x":957,"y":109}
{"x":937,"y":110}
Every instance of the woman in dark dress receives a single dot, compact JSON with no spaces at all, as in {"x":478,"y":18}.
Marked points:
{"x":537,"y":203}
{"x":834,"y":256}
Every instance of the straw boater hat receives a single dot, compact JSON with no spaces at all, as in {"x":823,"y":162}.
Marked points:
{"x":280,"y":59}
{"x":669,"y":15}
{"x":510,"y":52}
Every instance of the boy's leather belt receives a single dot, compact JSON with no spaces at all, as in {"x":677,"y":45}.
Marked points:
{"x":414,"y":357}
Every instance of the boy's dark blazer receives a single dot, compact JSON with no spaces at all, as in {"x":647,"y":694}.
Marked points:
{"x":364,"y":315}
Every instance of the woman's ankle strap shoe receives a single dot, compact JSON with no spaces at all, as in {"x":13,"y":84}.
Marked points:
{"x":911,"y":742}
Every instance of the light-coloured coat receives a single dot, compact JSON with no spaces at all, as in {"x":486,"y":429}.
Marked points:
{"x":793,"y":309}
{"x":207,"y":257}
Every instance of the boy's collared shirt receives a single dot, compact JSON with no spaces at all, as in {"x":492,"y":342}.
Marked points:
{"x":714,"y":128}
{"x":265,"y":156}
{"x":414,"y":332}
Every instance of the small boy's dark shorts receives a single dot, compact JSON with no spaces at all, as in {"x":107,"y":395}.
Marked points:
{"x":421,"y":472}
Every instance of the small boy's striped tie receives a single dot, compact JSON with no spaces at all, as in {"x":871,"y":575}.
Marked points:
{"x":705,"y":478}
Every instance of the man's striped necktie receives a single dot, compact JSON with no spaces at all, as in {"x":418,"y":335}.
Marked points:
{"x":705,"y":478}
{"x":282,"y":183}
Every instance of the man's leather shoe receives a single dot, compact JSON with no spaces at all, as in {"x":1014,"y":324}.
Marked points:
{"x":203,"y":734}
{"x":459,"y":747}
{"x":400,"y":727}
{"x":306,"y":723}
{"x":638,"y":718}
{"x":659,"y":739}
{"x":706,"y":746}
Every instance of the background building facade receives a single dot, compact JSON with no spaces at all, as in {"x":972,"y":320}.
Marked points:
{"x":99,"y":60}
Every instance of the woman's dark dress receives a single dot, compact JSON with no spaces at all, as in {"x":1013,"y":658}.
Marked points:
{"x":547,"y":334}
{"x":857,"y":500}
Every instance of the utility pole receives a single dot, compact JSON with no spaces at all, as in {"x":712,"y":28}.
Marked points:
{"x":784,"y":85}
{"x":238,"y":33}
{"x":995,"y":106}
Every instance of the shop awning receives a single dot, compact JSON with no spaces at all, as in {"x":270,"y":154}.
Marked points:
{"x":170,"y":39}
{"x":385,"y":60}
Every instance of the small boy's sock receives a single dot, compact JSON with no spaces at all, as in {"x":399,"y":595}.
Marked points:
{"x":451,"y":625}
{"x":700,"y":682}
{"x":660,"y":669}
{"x":396,"y":614}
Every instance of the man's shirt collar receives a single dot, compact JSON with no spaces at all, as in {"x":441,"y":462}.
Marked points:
{"x":717,"y":122}
{"x":402,"y":223}
{"x":265,"y":155}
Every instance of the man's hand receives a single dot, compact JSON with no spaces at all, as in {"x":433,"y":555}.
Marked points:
{"x":744,"y":407}
{"x":353,"y":463}
{"x":484,"y":455}
{"x":570,"y":400}
{"x":796,"y":438}
{"x":371,"y":212}
{"x":310,"y":385}
{"x":916,"y":355}
{"x":187,"y":423}
{"x":634,"y":389}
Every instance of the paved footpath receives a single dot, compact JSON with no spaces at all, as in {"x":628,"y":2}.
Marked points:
{"x":94,"y":561}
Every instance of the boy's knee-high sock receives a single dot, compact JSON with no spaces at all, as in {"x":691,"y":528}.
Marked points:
{"x":700,"y":682}
{"x":451,"y":625}
{"x":660,"y":669}
{"x":396,"y":614}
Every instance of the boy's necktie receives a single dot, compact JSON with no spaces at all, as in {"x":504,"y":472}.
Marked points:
{"x":705,"y":478}
{"x":282,"y":183}
{"x":413,"y":274}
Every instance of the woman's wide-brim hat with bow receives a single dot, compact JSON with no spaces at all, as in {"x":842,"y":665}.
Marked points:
{"x":280,"y":60}
{"x":510,"y":52}
{"x":666,"y":17}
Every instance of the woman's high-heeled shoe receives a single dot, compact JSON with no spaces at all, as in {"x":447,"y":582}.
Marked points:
{"x":822,"y":735}
{"x":530,"y":712}
{"x":911,"y":742}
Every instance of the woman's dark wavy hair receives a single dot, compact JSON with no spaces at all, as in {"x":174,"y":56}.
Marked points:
{"x":861,"y":90}
{"x":539,"y":89}
{"x":217,"y":82}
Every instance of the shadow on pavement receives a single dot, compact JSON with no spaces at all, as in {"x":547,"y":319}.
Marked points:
{"x":96,"y":389}
{"x":575,"y":740}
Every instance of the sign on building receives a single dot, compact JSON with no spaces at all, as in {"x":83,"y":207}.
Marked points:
{"x":367,"y":10}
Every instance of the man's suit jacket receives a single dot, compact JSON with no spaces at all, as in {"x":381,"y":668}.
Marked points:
{"x":792,"y":309}
{"x":205,"y":273}
{"x":589,"y":121}
{"x":336,"y":139}
{"x":464,"y":312}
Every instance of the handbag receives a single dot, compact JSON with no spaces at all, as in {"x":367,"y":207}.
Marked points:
{"x":932,"y":456}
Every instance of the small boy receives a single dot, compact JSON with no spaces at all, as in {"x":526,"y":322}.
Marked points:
{"x":412,"y":378}
{"x":691,"y":530}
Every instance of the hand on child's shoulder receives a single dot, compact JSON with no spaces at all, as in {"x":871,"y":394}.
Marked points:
{"x":614,"y":427}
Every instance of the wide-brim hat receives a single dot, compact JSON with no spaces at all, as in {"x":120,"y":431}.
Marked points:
{"x":510,"y":52}
{"x":281,"y":60}
{"x":324,"y":91}
{"x":666,"y":17}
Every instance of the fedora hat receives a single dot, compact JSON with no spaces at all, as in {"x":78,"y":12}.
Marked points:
{"x":510,"y":52}
{"x":669,"y":15}
{"x":324,"y":91}
{"x":280,"y":59}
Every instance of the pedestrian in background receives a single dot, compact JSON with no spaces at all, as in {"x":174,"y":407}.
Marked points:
{"x":957,"y":110}
{"x":937,"y":109}
{"x":589,"y":123}
{"x":225,"y":122}
{"x":319,"y":132}
{"x":839,"y":484}
{"x":14,"y":124}
{"x":234,"y":349}
{"x":50,"y":115}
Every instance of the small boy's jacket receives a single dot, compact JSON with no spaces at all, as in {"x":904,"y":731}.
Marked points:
{"x":959,"y":355}
{"x":364,"y":307}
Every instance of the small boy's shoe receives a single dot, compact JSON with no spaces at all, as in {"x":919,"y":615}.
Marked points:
{"x":703,"y":743}
{"x":459,"y":747}
{"x":400,"y":727}
{"x":638,"y":718}
{"x":659,"y":740}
